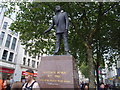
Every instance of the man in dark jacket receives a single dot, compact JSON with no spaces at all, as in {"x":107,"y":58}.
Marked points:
{"x":60,"y":20}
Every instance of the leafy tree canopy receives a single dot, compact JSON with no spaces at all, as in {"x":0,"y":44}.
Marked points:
{"x":93,"y":26}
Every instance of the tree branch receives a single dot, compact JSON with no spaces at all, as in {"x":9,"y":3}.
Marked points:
{"x":107,"y":10}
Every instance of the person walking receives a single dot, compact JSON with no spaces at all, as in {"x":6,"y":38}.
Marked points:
{"x":102,"y":87}
{"x":11,"y":81}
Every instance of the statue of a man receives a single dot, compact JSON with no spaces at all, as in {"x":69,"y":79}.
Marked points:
{"x":60,"y":21}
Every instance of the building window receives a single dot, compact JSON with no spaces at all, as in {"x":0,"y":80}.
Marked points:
{"x":37,"y":64}
{"x":24,"y":60}
{"x":38,"y":57}
{"x":1,"y":37}
{"x":28,"y":62}
{"x":13,"y":43}
{"x":1,"y":10}
{"x":7,"y":44}
{"x":16,"y":34}
{"x":10,"y":56}
{"x":25,"y":52}
{"x":5,"y":53}
{"x":5,"y":25}
{"x":34,"y":56}
{"x":33,"y":63}
{"x":29,"y":54}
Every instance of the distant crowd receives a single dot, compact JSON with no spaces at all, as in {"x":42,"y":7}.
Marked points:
{"x":101,"y":86}
{"x":29,"y":84}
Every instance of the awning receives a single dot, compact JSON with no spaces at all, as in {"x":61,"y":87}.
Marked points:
{"x":23,"y":73}
{"x":6,"y":70}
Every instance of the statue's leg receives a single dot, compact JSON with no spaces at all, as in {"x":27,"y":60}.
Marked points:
{"x":66,"y":47}
{"x":57,"y":46}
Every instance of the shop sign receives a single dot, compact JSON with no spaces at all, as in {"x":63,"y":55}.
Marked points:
{"x":6,"y":70}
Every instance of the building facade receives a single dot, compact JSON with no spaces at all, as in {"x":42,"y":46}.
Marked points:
{"x":111,"y":75}
{"x":14,"y":60}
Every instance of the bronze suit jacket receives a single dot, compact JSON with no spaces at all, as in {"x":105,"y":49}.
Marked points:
{"x":61,"y":23}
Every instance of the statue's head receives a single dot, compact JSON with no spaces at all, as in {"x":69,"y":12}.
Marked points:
{"x":57,"y":8}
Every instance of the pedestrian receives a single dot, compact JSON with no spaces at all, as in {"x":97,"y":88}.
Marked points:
{"x":23,"y":80}
{"x":102,"y":86}
{"x":82,"y":86}
{"x":11,"y":81}
{"x":1,"y":82}
{"x":17,"y":85}
{"x":30,"y":82}
{"x":6,"y":84}
{"x":106,"y":86}
{"x":86,"y":87}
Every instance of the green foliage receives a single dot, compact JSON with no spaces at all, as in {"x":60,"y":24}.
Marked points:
{"x":84,"y":69}
{"x":92,"y":25}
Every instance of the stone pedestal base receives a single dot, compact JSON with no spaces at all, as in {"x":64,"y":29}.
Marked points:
{"x":58,"y":72}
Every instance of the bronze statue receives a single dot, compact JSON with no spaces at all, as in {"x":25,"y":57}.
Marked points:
{"x":60,"y":20}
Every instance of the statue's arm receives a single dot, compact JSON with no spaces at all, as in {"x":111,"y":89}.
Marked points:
{"x":51,"y":26}
{"x":67,"y":21}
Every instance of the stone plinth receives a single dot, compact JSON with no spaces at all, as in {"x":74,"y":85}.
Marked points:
{"x":58,"y":72}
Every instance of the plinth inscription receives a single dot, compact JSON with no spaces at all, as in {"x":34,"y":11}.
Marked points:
{"x":57,"y":72}
{"x":55,"y":77}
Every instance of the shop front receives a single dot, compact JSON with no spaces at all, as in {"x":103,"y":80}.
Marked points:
{"x":6,"y":72}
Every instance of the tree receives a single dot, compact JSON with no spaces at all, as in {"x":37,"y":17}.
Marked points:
{"x":93,"y":26}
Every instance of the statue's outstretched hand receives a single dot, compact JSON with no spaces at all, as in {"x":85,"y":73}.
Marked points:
{"x":45,"y":31}
{"x":66,"y":30}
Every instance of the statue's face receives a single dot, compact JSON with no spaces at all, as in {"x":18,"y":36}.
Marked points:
{"x":57,"y":8}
